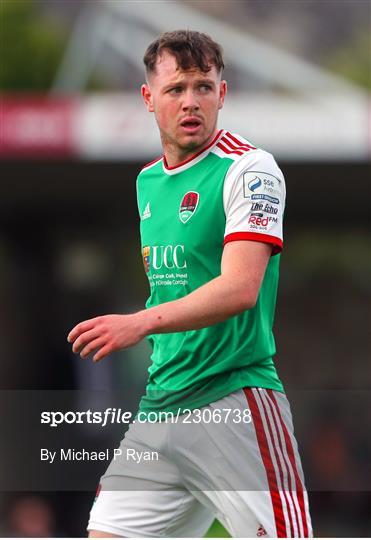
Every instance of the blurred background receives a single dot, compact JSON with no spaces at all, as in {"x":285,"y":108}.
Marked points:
{"x":74,"y":135}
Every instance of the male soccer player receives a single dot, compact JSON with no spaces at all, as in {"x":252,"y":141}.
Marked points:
{"x":211,"y":227}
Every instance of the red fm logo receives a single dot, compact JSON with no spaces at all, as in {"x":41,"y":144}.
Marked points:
{"x":258,"y":220}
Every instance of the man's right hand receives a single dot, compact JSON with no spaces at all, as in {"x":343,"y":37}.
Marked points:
{"x":106,"y":334}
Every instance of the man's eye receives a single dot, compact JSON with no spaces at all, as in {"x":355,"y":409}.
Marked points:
{"x":175,"y":90}
{"x":205,"y":87}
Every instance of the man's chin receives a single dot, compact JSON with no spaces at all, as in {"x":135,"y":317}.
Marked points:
{"x":193,"y":142}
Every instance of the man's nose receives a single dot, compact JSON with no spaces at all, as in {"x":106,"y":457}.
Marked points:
{"x":190,"y":101}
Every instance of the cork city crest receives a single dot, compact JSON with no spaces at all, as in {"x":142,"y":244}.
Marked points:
{"x":188,"y":206}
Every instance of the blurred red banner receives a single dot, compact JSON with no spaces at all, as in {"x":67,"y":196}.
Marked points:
{"x":37,"y":126}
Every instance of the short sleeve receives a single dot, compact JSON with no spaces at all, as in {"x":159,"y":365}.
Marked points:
{"x":254,"y":200}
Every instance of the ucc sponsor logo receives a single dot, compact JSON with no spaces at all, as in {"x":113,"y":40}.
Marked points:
{"x":159,"y":257}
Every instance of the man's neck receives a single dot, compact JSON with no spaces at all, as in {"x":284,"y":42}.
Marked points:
{"x":174,"y":155}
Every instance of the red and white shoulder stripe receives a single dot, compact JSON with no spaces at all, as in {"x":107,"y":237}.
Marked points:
{"x":151,"y":164}
{"x":232,"y":146}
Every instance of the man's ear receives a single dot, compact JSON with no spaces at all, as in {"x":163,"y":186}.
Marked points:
{"x":222,"y":93}
{"x":147,"y":97}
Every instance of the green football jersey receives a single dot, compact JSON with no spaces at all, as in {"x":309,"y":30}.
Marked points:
{"x":228,"y":191}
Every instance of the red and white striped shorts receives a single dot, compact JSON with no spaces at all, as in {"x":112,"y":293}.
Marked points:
{"x":172,"y":478}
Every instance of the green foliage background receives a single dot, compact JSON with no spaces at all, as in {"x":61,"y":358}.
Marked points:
{"x":31,"y":46}
{"x":353,"y":60}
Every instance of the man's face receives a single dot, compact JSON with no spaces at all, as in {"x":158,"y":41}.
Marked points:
{"x":185,"y":103}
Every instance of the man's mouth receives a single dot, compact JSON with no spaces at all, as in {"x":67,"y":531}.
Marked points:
{"x":190,"y":124}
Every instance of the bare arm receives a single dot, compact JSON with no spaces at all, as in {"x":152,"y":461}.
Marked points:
{"x":235,"y":290}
